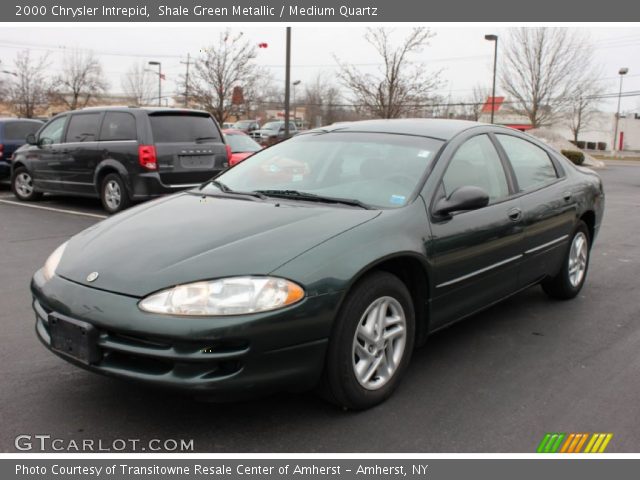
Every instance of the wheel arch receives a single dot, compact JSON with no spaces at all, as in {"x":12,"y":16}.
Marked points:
{"x":106,"y":167}
{"x":589,"y":218}
{"x":412,"y":270}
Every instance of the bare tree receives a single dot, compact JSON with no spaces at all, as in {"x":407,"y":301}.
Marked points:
{"x":583,"y":105}
{"x":479,"y":97}
{"x":227,"y":64}
{"x":541,"y":68}
{"x":400,"y":85}
{"x":82,"y":80}
{"x":321,"y":98}
{"x":138,"y":84}
{"x":28,"y":88}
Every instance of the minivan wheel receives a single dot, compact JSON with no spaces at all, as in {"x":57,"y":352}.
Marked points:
{"x":113,"y":194}
{"x":371,"y":344}
{"x":569,"y":281}
{"x":22,"y":185}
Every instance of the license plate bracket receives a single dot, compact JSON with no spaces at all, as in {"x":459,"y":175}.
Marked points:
{"x":197,"y":161}
{"x":74,"y":338}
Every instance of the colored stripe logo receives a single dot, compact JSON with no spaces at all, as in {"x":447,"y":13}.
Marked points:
{"x":574,"y":442}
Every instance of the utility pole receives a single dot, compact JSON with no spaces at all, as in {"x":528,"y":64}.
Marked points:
{"x":186,"y":81}
{"x":287,"y":84}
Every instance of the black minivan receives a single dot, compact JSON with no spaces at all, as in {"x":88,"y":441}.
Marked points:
{"x":120,"y":154}
{"x":13,"y":134}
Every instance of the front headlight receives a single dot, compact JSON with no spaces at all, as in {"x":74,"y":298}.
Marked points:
{"x":225,"y":296}
{"x":52,"y":262}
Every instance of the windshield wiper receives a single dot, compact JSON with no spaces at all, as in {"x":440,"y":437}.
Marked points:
{"x":312,"y":197}
{"x":201,"y":139}
{"x":225,"y":189}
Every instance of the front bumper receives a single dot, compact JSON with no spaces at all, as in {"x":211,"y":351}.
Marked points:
{"x":225,"y":357}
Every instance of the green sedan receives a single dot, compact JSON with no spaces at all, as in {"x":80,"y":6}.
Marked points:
{"x":323,"y":261}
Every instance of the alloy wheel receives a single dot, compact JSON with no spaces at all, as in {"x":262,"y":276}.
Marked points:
{"x":379,"y":343}
{"x":578,"y":259}
{"x":24,"y":184}
{"x":112,"y":194}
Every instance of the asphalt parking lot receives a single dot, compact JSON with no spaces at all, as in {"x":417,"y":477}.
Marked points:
{"x":496,"y":382}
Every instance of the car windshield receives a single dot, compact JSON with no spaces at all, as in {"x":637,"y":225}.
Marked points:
{"x":375,"y":169}
{"x":243,"y":123}
{"x":241,"y":143}
{"x":272,"y":125}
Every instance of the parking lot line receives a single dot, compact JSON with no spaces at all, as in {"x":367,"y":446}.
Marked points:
{"x":52,"y":209}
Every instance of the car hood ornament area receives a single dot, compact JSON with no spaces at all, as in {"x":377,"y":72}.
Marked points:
{"x":92,"y":277}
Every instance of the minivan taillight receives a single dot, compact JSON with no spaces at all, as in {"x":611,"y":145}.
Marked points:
{"x":147,"y":157}
{"x":1,"y":150}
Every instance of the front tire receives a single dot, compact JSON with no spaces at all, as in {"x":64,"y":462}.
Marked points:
{"x":113,"y":194}
{"x":371,"y":345}
{"x":22,"y":186}
{"x":570,"y":280}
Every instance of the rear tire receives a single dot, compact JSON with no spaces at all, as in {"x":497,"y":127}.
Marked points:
{"x":22,"y":186}
{"x":113,"y":194}
{"x":570,"y":279}
{"x":371,"y":344}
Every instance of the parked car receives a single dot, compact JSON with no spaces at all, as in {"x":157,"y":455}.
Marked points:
{"x":246,"y":126}
{"x":120,"y":154}
{"x":242,"y":146}
{"x":226,"y":125}
{"x":273,"y":132}
{"x":13,"y":134}
{"x":323,"y":260}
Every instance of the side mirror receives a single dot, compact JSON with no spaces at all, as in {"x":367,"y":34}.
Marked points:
{"x":466,"y":197}
{"x":31,"y":139}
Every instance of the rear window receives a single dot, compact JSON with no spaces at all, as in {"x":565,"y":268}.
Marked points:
{"x":20,"y":130}
{"x":184,"y":129}
{"x":83,"y":128}
{"x":118,"y":126}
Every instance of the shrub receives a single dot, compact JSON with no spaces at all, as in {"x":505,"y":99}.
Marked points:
{"x":575,"y":156}
{"x":581,"y":144}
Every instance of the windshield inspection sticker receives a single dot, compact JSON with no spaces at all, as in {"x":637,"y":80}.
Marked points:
{"x":424,"y":153}
{"x":397,"y":199}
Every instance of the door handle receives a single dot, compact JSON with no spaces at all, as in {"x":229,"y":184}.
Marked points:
{"x":515,"y":214}
{"x":567,"y":196}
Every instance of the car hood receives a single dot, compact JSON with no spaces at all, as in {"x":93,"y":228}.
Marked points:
{"x":188,"y":237}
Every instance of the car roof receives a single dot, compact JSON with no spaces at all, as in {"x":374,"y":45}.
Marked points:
{"x":143,"y":109}
{"x":15,"y":119}
{"x":442,"y":129}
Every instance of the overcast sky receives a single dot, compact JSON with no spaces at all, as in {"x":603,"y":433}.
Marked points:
{"x":462,"y":54}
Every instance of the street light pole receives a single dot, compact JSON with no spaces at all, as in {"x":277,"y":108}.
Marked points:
{"x":159,"y":64}
{"x":622,"y":72}
{"x":493,"y":38}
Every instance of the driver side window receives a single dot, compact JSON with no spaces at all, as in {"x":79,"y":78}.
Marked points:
{"x":476,"y":163}
{"x":52,"y":133}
